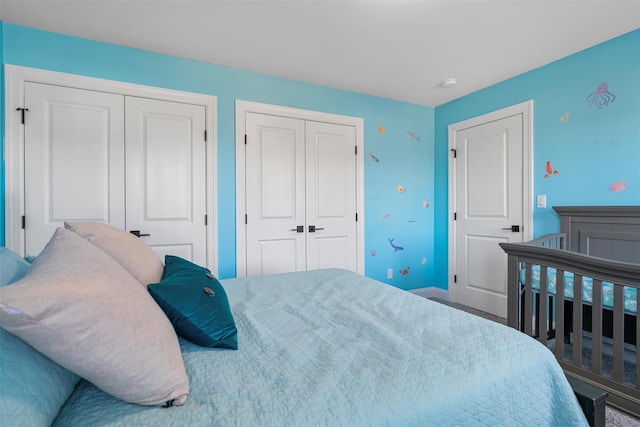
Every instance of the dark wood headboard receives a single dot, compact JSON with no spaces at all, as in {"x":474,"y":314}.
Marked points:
{"x":611,"y":232}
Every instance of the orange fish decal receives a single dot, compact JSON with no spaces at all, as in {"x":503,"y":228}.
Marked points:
{"x":382,"y":129}
{"x":550,"y":170}
{"x":401,"y":189}
{"x":618,"y":186}
{"x":404,"y":271}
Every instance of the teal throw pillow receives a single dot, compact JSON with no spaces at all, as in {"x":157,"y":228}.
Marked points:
{"x":196,"y":304}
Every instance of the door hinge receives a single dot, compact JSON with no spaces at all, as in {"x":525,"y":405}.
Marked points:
{"x":356,"y":216}
{"x":205,"y":135}
{"x":22,"y":110}
{"x":206,"y":219}
{"x":245,"y":219}
{"x":356,"y":147}
{"x":455,"y":216}
{"x":455,"y":278}
{"x":24,"y":222}
{"x":455,"y":153}
{"x":245,"y":139}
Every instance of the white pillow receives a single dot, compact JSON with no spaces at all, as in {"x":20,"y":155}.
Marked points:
{"x":134,"y":255}
{"x":83,"y":310}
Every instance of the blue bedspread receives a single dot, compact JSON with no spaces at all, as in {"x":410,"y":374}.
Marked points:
{"x":630,"y":294}
{"x":330,"y":347}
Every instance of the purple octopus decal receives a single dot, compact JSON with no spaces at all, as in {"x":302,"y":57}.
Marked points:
{"x":601,"y":97}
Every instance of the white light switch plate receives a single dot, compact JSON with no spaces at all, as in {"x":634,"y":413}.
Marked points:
{"x":542,"y":201}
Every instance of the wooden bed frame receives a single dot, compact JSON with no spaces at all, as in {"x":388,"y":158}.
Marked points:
{"x":601,"y":243}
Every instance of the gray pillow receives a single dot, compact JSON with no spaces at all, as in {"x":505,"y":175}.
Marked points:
{"x":79,"y":307}
{"x":131,"y":252}
{"x":33,"y":387}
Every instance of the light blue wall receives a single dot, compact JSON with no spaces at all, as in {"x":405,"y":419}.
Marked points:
{"x":591,"y":149}
{"x":402,"y":161}
{"x":595,"y":149}
{"x":1,"y":134}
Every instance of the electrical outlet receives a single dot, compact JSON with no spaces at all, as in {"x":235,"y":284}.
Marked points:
{"x":390,"y":273}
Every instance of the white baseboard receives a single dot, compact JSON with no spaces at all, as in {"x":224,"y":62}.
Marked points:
{"x":431,"y":292}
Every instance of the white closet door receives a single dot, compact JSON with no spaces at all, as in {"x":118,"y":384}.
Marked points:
{"x":300,"y":195}
{"x":275,"y":194}
{"x":331,"y":196}
{"x":74,"y":151}
{"x":166,"y":176}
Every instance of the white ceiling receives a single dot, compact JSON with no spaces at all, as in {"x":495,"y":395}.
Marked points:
{"x":398,"y":49}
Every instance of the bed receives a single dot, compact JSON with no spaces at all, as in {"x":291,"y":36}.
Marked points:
{"x":328,"y":347}
{"x":576,"y":291}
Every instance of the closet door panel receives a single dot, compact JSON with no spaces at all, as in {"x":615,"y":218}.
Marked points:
{"x":331,"y":196}
{"x":165,"y":173}
{"x":275,"y":157}
{"x":74,"y":151}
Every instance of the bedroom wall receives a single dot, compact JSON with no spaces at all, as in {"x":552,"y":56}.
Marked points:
{"x":586,"y":125}
{"x":1,"y":135}
{"x":399,"y":164}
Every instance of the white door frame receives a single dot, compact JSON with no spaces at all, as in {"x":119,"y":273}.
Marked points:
{"x":526,"y":109}
{"x":244,"y":107}
{"x":15,"y":78}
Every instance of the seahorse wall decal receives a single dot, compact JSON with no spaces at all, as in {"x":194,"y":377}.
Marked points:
{"x":550,"y":170}
{"x":395,"y":248}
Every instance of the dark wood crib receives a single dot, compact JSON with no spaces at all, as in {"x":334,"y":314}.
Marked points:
{"x":594,"y":343}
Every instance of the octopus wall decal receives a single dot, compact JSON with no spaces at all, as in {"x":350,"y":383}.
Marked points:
{"x":601,"y":97}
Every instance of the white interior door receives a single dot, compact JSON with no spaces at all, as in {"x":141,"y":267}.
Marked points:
{"x":300,"y":195}
{"x":76,"y":167}
{"x":488,"y":202}
{"x":294,"y":169}
{"x":330,"y":196}
{"x":275,"y":194}
{"x":165,"y":172}
{"x":74,"y":151}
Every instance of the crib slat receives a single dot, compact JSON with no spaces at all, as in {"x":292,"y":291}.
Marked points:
{"x":618,"y":332}
{"x":577,"y":319}
{"x":596,"y":328}
{"x":560,"y":326}
{"x":527,"y":299}
{"x":513,"y":292}
{"x":542,"y":306}
{"x":637,"y":339}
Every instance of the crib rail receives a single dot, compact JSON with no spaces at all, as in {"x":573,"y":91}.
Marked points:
{"x":559,"y":322}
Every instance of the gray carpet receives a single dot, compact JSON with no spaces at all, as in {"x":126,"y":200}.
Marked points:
{"x":614,"y":417}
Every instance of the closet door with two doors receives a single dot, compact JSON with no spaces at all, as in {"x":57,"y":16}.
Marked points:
{"x":135,"y":163}
{"x":300,"y":195}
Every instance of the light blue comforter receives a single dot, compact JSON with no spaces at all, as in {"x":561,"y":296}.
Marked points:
{"x":330,"y":347}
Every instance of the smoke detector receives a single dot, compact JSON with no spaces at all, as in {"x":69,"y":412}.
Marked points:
{"x":450,"y":82}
